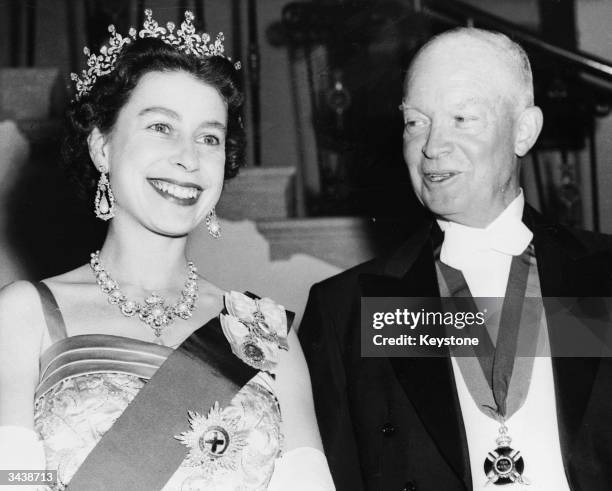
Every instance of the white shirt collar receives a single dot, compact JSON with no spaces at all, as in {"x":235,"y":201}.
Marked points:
{"x":507,"y":234}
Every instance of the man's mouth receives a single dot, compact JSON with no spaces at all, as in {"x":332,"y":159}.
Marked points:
{"x":438,"y":176}
{"x":181,"y":193}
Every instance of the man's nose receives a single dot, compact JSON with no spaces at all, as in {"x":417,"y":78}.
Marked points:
{"x":186,"y":156}
{"x":437,"y":144}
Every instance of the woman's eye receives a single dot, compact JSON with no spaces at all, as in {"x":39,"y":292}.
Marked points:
{"x":160,"y":128}
{"x":210,"y":140}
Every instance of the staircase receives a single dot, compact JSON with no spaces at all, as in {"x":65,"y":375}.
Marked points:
{"x":269,"y":246}
{"x":358,"y":129}
{"x":46,"y":230}
{"x":574,"y":90}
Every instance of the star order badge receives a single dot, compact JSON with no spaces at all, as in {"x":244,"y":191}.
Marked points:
{"x":215,"y":441}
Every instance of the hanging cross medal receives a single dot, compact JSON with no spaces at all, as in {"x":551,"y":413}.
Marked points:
{"x":488,"y":381}
{"x":504,"y":465}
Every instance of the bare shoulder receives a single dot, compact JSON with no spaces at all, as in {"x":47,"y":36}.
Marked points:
{"x":78,"y":276}
{"x":19,"y":304}
{"x":21,"y":330}
{"x":21,"y":311}
{"x":17,"y":290}
{"x":70,"y":288}
{"x":22,"y":322}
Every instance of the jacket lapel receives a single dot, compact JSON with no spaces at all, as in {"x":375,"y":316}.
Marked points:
{"x":568,"y":269}
{"x":428,"y":382}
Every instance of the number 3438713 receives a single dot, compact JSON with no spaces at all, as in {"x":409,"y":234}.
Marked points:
{"x":16,"y":477}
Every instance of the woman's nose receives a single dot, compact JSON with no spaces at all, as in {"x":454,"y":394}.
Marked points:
{"x":187,"y":156}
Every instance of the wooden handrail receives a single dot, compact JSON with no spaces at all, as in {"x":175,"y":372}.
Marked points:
{"x":464,"y":13}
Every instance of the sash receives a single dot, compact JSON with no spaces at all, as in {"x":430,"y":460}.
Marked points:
{"x":140,"y":451}
{"x":497,"y":379}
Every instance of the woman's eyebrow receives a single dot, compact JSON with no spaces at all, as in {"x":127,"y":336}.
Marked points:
{"x":160,"y":109}
{"x":173,"y":114}
{"x":213,"y":124}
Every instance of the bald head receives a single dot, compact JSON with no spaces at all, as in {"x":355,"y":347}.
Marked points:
{"x":468,"y":115}
{"x":504,"y":59}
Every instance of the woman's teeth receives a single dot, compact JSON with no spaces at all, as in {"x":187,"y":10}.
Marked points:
{"x":175,"y":190}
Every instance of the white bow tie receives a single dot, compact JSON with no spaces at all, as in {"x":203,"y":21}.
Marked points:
{"x":462,"y":245}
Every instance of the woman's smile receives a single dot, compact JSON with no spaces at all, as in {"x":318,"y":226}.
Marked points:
{"x":181,"y":193}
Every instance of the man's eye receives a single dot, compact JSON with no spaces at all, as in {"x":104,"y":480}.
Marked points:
{"x":414,"y":124}
{"x":160,"y":128}
{"x":463,"y":119}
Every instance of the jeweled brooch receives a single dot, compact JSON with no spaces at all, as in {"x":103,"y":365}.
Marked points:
{"x":215,"y":441}
{"x":256,"y":329}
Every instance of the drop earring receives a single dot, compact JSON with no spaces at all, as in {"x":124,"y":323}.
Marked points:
{"x":104,"y":202}
{"x":212,"y":224}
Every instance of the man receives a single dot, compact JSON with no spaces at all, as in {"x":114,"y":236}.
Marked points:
{"x":433,"y":423}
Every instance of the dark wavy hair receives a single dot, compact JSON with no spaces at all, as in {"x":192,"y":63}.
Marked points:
{"x":101,"y":106}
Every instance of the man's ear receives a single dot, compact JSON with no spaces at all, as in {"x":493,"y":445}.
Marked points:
{"x":528,"y":127}
{"x":98,"y":149}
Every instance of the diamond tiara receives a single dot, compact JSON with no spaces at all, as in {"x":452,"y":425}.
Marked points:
{"x":184,"y":39}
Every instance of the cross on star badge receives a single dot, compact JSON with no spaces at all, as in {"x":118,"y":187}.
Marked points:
{"x":215,"y":441}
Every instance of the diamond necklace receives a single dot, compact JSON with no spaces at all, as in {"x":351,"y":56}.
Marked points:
{"x":154,"y":312}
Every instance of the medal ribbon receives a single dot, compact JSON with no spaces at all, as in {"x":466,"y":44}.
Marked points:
{"x":497,"y":357}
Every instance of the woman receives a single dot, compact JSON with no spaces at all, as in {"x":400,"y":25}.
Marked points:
{"x":154,"y":130}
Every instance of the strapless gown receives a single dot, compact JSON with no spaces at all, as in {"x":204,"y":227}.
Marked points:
{"x":86,"y":383}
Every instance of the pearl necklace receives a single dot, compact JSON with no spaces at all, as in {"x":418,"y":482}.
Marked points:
{"x":154,"y":312}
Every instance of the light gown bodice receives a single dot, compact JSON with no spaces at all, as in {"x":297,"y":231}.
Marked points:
{"x":86,"y":383}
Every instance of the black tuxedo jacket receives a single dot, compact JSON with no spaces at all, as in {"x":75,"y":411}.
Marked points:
{"x":395,"y":423}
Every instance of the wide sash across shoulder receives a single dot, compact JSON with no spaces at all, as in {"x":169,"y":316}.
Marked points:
{"x":141,"y":451}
